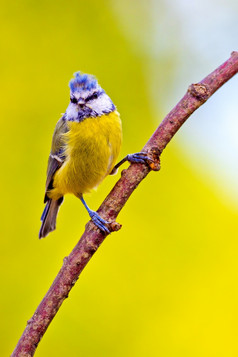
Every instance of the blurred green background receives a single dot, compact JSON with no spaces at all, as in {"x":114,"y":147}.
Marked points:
{"x":166,"y":284}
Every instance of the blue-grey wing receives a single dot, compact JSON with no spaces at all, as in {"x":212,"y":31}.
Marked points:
{"x":57,"y":154}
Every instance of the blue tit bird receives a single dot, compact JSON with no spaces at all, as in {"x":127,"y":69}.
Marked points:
{"x":85,"y":146}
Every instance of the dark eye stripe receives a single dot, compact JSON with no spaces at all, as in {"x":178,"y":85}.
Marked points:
{"x":73,"y":100}
{"x":91,"y":97}
{"x":95,"y":95}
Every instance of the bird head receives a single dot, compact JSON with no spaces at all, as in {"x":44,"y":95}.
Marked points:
{"x":87,"y":98}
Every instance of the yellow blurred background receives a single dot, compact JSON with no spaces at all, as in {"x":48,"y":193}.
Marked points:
{"x":166,"y":283}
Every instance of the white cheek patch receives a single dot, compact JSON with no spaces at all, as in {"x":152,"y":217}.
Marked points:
{"x":101,"y":105}
{"x":72,"y":112}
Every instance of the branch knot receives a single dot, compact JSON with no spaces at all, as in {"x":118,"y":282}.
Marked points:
{"x":199,"y":91}
{"x":155,"y":155}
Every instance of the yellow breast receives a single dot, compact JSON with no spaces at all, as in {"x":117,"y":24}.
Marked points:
{"x":92,"y":148}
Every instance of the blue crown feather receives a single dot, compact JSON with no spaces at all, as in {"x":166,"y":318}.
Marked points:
{"x":82,"y":82}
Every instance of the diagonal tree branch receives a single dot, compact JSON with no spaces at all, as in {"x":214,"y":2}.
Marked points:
{"x":92,"y":238}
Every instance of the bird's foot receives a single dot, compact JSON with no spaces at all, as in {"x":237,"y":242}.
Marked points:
{"x":151,"y":159}
{"x":140,"y":158}
{"x":99,"y":222}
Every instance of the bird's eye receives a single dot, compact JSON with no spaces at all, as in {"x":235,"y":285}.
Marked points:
{"x":73,"y":100}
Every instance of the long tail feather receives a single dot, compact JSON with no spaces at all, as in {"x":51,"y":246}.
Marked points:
{"x":48,"y":217}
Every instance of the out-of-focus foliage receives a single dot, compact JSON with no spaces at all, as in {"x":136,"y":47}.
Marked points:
{"x":166,"y":283}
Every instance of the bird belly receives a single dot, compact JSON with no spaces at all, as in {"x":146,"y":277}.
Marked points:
{"x":92,"y":148}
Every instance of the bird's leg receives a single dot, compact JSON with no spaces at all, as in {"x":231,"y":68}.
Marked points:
{"x":97,"y":220}
{"x":138,"y":158}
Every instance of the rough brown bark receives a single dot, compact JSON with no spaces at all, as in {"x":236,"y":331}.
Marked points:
{"x":92,"y":238}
